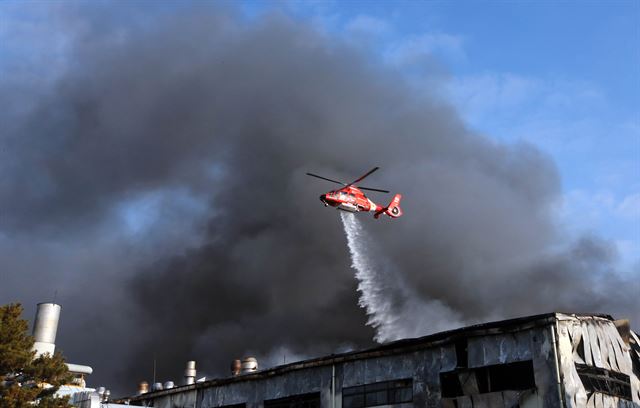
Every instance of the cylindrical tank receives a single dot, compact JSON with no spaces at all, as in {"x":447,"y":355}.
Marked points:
{"x":249,"y":365}
{"x":45,"y":327}
{"x":156,"y":387}
{"x":79,"y":369}
{"x":236,"y":367}
{"x":168,"y":385}
{"x":190,"y":372}
{"x":143,"y":387}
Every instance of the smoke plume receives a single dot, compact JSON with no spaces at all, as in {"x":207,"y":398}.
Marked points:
{"x":153,"y":173}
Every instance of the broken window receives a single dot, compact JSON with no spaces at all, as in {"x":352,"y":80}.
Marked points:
{"x":494,"y":378}
{"x":381,"y":393}
{"x":462,"y":352}
{"x":295,"y":401}
{"x":604,"y":381}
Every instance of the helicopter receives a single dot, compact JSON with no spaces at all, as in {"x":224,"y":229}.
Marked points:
{"x":351,"y":198}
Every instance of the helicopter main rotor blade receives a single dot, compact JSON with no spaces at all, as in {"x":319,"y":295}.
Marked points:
{"x":373,"y":189}
{"x":327,"y":179}
{"x":363,"y":177}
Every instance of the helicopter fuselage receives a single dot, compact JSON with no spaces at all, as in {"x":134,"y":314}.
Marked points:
{"x":349,"y":199}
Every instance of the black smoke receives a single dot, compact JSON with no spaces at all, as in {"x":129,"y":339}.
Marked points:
{"x":157,"y":183}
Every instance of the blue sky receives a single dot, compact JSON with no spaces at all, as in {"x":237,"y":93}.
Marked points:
{"x":564,"y":76}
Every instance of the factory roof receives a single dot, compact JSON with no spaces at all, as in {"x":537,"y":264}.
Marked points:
{"x":387,"y":349}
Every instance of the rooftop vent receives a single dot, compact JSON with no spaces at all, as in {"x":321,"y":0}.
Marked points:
{"x":143,"y":388}
{"x":236,"y":367}
{"x":249,"y":365}
{"x":190,"y":373}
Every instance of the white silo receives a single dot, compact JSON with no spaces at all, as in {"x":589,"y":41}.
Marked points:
{"x":45,"y":328}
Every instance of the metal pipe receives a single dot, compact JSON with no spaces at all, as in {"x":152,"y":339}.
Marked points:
{"x":333,"y":386}
{"x":557,"y":364}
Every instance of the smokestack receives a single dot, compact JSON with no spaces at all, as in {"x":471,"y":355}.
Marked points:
{"x":190,"y":373}
{"x":45,"y":328}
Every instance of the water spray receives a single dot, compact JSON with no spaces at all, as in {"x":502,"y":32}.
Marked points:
{"x":395,"y":311}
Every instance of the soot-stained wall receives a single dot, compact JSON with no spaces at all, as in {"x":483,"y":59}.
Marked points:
{"x":550,"y":361}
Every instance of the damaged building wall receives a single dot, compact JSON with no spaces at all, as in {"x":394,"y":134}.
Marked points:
{"x":505,"y":370}
{"x":541,"y":361}
{"x":598,"y":366}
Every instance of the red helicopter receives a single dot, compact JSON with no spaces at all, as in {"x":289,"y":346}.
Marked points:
{"x":351,"y":198}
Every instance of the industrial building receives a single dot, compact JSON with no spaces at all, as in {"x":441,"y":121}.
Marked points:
{"x":45,"y":329}
{"x":550,"y":360}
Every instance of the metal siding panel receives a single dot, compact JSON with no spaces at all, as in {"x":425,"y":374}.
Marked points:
{"x":595,"y":347}
{"x":432,"y":367}
{"x":524,"y":345}
{"x":603,"y":342}
{"x":511,"y":398}
{"x":508,"y":348}
{"x":575,"y":332}
{"x":588,"y":358}
{"x":448,"y":358}
{"x":480,"y":401}
{"x":475,"y":352}
{"x":491,"y":350}
{"x":465,"y":402}
{"x":575,"y":396}
{"x":495,"y":399}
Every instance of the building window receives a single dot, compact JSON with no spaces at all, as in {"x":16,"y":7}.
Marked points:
{"x":295,"y":401}
{"x":494,"y":378}
{"x":381,"y":393}
{"x":462,"y":353}
{"x":604,"y":381}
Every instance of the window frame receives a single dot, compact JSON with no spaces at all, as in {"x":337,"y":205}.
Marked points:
{"x":364,"y":393}
{"x":294,"y":401}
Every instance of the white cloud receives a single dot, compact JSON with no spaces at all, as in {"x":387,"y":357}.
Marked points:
{"x":630,"y":207}
{"x":367,"y":25}
{"x":414,"y":49}
{"x":481,"y":96}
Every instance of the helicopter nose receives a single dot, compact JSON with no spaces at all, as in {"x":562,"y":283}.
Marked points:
{"x":323,"y":198}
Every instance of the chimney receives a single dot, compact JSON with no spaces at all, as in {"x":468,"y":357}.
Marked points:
{"x":190,"y":373}
{"x":45,"y":328}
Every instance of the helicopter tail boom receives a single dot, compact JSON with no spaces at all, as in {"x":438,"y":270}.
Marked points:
{"x":393,"y":210}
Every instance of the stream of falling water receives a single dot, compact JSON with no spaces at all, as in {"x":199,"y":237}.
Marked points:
{"x":393,"y":309}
